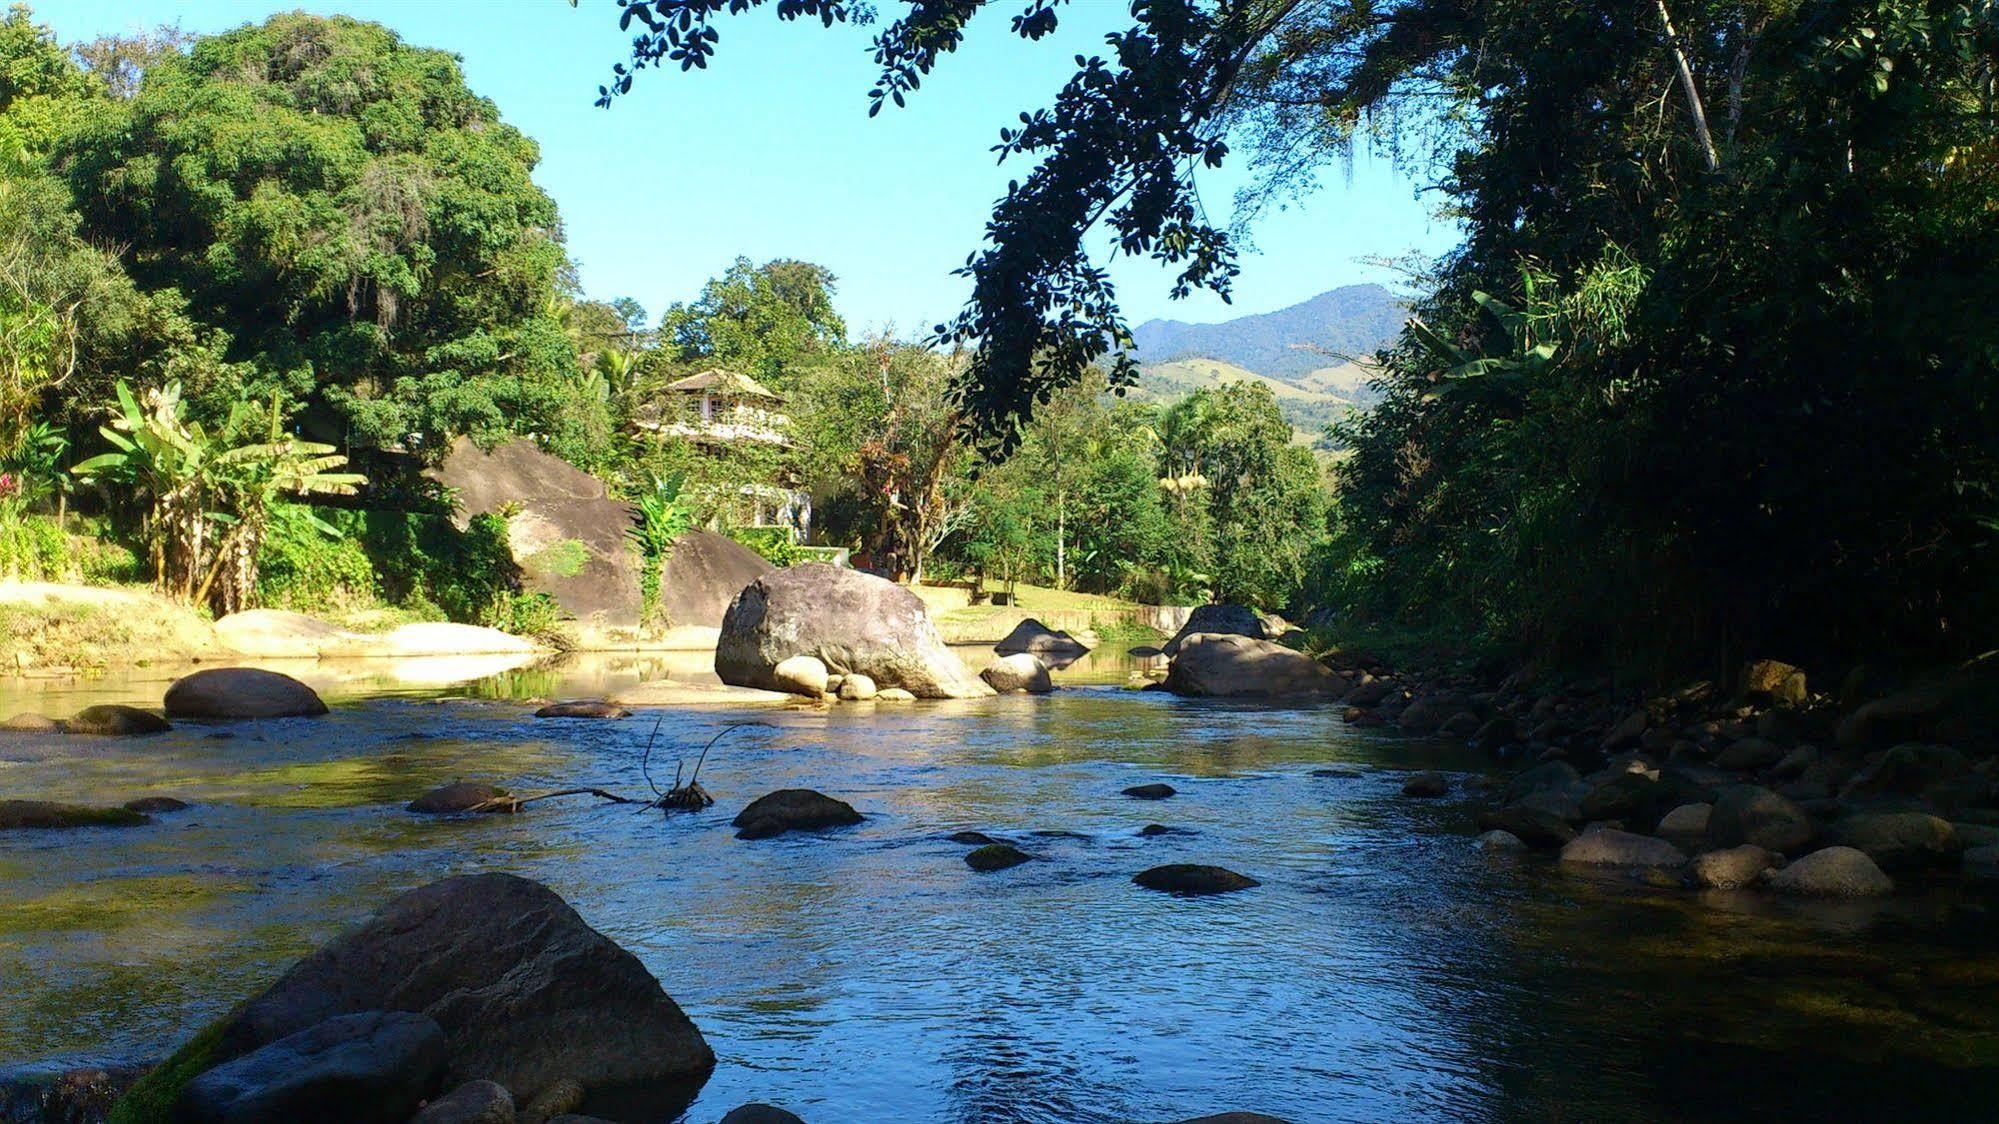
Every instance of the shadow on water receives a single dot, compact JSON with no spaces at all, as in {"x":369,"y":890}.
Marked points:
{"x":1383,"y":970}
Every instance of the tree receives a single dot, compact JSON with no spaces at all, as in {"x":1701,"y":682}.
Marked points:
{"x":771,"y":322}
{"x":361,"y":224}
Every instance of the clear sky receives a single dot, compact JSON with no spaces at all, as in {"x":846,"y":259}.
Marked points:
{"x":770,"y":153}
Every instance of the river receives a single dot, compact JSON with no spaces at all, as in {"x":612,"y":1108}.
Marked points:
{"x":1385,"y":970}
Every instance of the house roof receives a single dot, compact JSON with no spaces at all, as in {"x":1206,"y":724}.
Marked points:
{"x":716,"y":379}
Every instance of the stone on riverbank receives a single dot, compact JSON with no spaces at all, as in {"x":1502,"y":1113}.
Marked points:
{"x":526,"y":993}
{"x":996,"y":856}
{"x":1835,"y":872}
{"x":1537,"y":827}
{"x":1225,"y":666}
{"x":241,"y":692}
{"x":583,"y":708}
{"x":29,"y":723}
{"x":792,"y":809}
{"x":147,"y":805}
{"x":1033,"y":637}
{"x":1022,"y":671}
{"x":474,"y":1102}
{"x":856,"y":687}
{"x":373,"y":1067}
{"x":1745,"y":813}
{"x":114,"y":721}
{"x":1610,"y":847}
{"x":850,"y":621}
{"x":459,"y":796}
{"x":1193,"y":878}
{"x":802,"y":675}
{"x":1219,"y":620}
{"x":1899,"y":841}
{"x":1731,"y":868}
{"x":1907,"y":770}
{"x":50,"y":815}
{"x":1498,"y":842}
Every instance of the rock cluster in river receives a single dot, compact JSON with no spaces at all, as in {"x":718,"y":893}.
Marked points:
{"x":1761,"y":782}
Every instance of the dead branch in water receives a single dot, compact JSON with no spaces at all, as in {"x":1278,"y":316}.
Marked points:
{"x":512,"y":804}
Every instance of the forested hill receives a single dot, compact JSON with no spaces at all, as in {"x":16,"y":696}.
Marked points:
{"x":1351,"y":321}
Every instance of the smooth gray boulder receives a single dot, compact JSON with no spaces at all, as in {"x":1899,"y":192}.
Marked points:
{"x":1731,"y":868}
{"x":1033,"y":637}
{"x":525,"y":991}
{"x":370,"y":1067}
{"x":1835,"y":872}
{"x":241,"y":692}
{"x":1610,"y":847}
{"x":703,"y":574}
{"x":1219,"y":620}
{"x":1899,"y":841}
{"x":1022,"y":671}
{"x":852,"y":622}
{"x":1228,"y":666}
{"x":1744,"y":813}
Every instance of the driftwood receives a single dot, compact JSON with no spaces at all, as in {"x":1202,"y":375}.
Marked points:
{"x":509,"y":805}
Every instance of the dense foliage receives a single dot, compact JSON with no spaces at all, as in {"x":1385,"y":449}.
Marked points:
{"x":1713,"y":371}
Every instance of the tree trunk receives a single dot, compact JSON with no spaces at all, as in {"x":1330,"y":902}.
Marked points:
{"x":1694,"y":107}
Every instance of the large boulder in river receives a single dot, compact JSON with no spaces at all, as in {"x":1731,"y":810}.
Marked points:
{"x":374,"y":1067}
{"x":1610,"y":847}
{"x":1229,"y":666}
{"x":567,"y":535}
{"x":1219,"y":620}
{"x":792,"y":809}
{"x":1033,"y":637}
{"x":1021,"y":671}
{"x":703,"y":574}
{"x":852,"y":622}
{"x":526,"y":993}
{"x":241,"y":692}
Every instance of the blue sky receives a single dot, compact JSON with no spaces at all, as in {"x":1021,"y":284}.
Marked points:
{"x":770,"y":153}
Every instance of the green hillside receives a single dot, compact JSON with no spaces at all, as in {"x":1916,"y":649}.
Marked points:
{"x":1308,"y":410}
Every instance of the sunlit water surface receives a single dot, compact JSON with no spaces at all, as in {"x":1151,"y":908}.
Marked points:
{"x":1383,"y":971}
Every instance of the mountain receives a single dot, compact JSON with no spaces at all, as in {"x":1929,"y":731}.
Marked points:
{"x":1303,"y":353}
{"x":1326,"y":331}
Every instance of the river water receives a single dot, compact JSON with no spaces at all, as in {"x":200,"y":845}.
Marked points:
{"x":1383,"y":971}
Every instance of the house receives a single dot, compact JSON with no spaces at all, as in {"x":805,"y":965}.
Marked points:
{"x":717,"y":411}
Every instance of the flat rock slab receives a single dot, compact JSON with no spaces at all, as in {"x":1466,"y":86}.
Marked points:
{"x":48,"y":814}
{"x":583,"y":708}
{"x":113,"y":720}
{"x":374,"y":1067}
{"x":241,"y":692}
{"x":1193,"y":878}
{"x":792,"y":809}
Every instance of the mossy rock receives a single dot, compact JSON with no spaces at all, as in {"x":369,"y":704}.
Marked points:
{"x":48,"y":814}
{"x":151,"y":1099}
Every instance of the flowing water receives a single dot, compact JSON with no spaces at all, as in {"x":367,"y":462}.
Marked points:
{"x":1383,"y":971}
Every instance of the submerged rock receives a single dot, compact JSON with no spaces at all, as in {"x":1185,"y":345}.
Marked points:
{"x":1193,"y":878}
{"x":475,"y":1102}
{"x":973,"y":838}
{"x":35,"y":724}
{"x":1610,"y":847}
{"x":459,"y":796}
{"x":792,"y":809}
{"x":996,"y":856}
{"x":1231,"y":666}
{"x":1426,"y":785}
{"x":113,"y":720}
{"x":1155,"y":829}
{"x":374,"y":1067}
{"x":525,"y":992}
{"x":48,"y":814}
{"x":1022,"y":671}
{"x":241,"y":692}
{"x":1835,"y":872}
{"x":1153,"y":791}
{"x":760,"y":1114}
{"x":851,"y":621}
{"x":583,"y":708}
{"x":147,"y":805}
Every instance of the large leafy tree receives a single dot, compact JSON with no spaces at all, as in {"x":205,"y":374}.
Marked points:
{"x":771,"y":322}
{"x":1758,"y":232}
{"x":361,"y":223}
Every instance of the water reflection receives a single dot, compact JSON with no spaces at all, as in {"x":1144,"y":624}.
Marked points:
{"x":1383,"y":971}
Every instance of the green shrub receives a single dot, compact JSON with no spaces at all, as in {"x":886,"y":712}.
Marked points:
{"x":304,"y":568}
{"x":33,"y":548}
{"x":777,"y":545}
{"x":534,"y":615}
